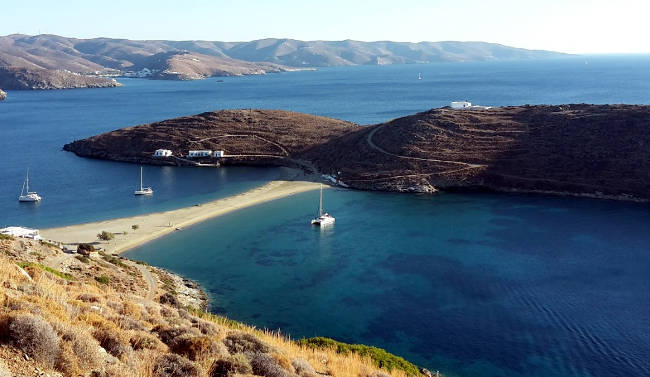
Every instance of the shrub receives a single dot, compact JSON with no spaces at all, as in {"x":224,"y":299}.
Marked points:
{"x":82,"y":258}
{"x":35,"y":337}
{"x":105,"y":236}
{"x":205,"y":327}
{"x":231,"y":365}
{"x":102,"y":279}
{"x":169,"y":299}
{"x":88,"y":297}
{"x":244,"y":343}
{"x":303,"y":368}
{"x":135,"y":227}
{"x":196,"y":347}
{"x":171,"y":365}
{"x":128,"y":323}
{"x":112,"y":342}
{"x":380,"y":357}
{"x":85,"y":347}
{"x":5,"y":237}
{"x":141,"y":341}
{"x":85,"y":249}
{"x":265,"y":365}
{"x":168,"y":334}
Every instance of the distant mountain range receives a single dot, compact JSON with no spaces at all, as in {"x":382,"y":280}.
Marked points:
{"x":200,"y":59}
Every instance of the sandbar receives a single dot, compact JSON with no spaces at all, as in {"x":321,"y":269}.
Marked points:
{"x":155,"y":225}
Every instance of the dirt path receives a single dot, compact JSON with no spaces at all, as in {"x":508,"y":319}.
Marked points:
{"x":148,"y":278}
{"x":381,"y":150}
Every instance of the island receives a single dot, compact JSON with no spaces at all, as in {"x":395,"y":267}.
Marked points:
{"x":597,"y":151}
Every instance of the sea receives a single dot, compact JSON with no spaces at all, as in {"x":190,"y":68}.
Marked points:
{"x":467,"y":284}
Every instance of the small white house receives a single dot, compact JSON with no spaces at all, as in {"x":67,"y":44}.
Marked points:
{"x":218,"y":154}
{"x":162,"y":153}
{"x":200,"y":153}
{"x":460,"y":104}
{"x":19,"y":231}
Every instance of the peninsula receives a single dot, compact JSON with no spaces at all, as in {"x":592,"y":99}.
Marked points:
{"x":577,"y":149}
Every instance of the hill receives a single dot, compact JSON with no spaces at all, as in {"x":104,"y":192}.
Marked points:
{"x":587,"y":150}
{"x":199,"y":59}
{"x":64,"y":314}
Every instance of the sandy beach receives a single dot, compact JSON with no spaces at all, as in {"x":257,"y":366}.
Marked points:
{"x":158,"y":224}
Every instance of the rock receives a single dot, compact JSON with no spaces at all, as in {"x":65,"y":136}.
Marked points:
{"x":3,"y":95}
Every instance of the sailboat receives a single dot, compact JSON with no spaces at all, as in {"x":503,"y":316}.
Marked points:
{"x":26,"y":195}
{"x":143,"y":190}
{"x":419,"y":76}
{"x":323,"y":218}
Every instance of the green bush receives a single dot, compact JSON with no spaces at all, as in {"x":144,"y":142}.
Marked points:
{"x":82,"y":258}
{"x":379,"y":356}
{"x":102,"y":279}
{"x":62,"y":275}
{"x":5,"y":237}
{"x":105,"y":236}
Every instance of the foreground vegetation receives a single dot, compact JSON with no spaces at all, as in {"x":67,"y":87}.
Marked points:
{"x":71,"y":324}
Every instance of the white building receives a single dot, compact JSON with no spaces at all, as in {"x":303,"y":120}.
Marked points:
{"x":19,"y":231}
{"x":218,"y":154}
{"x":467,"y":105}
{"x":460,"y":104}
{"x":200,"y":153}
{"x":162,"y":153}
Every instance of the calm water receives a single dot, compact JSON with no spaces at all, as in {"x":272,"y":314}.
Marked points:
{"x":473,"y":285}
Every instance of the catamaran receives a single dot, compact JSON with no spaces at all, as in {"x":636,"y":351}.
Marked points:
{"x":29,"y":196}
{"x":323,"y":218}
{"x":143,"y":190}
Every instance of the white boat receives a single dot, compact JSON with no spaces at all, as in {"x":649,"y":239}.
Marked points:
{"x":323,"y":219}
{"x":419,"y":76}
{"x":26,"y":195}
{"x":143,"y":190}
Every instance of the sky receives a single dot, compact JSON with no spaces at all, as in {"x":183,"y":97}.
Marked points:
{"x":573,"y":26}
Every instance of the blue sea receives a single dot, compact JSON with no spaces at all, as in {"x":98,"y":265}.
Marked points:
{"x":471,"y":285}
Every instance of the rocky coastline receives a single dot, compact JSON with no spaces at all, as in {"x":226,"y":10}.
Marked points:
{"x":39,"y":79}
{"x":594,"y":151}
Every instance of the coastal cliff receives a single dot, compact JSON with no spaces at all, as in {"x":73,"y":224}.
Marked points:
{"x":3,"y":95}
{"x":33,"y":79}
{"x":586,"y":150}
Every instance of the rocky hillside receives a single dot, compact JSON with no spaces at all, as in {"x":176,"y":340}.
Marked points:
{"x":65,"y":314}
{"x":587,"y":150}
{"x":29,"y":79}
{"x":199,"y":59}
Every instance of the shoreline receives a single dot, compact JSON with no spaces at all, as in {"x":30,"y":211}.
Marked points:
{"x":155,"y":225}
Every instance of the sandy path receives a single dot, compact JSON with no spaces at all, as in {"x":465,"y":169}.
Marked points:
{"x":158,"y":224}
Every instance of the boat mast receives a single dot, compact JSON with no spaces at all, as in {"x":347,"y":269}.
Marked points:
{"x":320,"y":205}
{"x":140,"y":177}
{"x":27,"y":180}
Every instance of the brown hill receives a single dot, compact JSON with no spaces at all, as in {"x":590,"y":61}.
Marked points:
{"x":589,"y":150}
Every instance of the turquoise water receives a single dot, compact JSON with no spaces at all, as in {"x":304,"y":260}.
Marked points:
{"x":473,"y":285}
{"x":490,"y":285}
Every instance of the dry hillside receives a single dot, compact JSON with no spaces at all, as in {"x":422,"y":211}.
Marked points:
{"x":105,"y":316}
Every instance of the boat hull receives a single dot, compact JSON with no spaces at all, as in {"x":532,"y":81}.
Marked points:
{"x":32,"y":197}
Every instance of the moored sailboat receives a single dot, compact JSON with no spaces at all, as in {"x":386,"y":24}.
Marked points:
{"x":143,"y":190}
{"x":25,"y":194}
{"x":323,"y":218}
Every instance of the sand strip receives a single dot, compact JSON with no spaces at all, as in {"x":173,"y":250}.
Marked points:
{"x":158,"y":224}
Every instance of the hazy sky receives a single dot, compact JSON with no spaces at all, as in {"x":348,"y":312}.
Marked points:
{"x":575,"y":26}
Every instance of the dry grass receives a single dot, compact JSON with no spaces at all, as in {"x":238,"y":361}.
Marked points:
{"x":82,"y":328}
